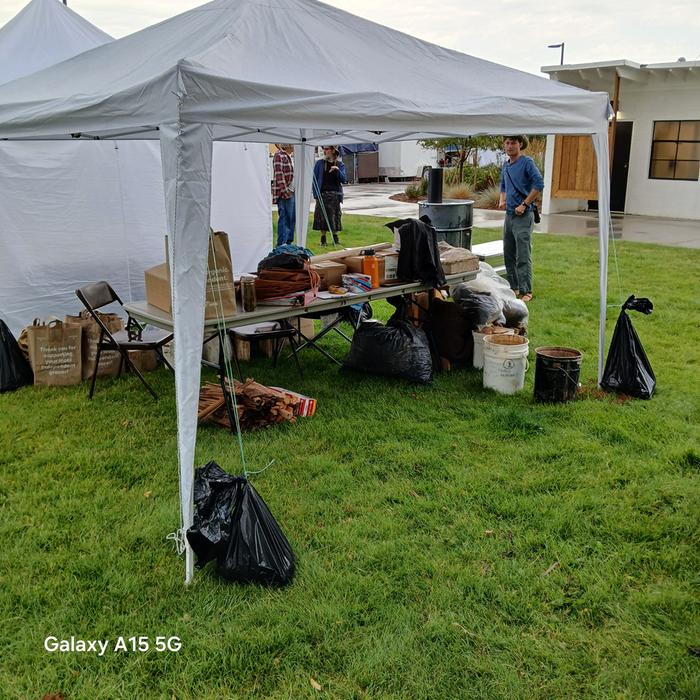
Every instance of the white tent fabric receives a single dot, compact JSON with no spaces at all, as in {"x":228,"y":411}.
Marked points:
{"x":302,"y":65}
{"x":188,"y":196}
{"x":303,"y":174}
{"x":293,"y":71}
{"x":76,"y":210}
{"x":42,"y":34}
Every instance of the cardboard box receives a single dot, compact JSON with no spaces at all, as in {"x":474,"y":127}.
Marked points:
{"x":220,"y":289}
{"x":354,"y":263}
{"x":306,"y":326}
{"x":388,"y":267}
{"x":330,"y":271}
{"x":144,"y":360}
{"x":158,"y":287}
{"x":265,"y":347}
{"x":306,"y":406}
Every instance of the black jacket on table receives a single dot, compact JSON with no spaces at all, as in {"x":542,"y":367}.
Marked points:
{"x":419,"y":257}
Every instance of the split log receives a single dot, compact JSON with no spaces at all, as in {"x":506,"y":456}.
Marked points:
{"x":258,"y":406}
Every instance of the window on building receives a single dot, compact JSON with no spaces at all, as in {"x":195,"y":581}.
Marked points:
{"x":675,"y":151}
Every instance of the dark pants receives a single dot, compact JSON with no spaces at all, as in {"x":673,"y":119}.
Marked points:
{"x":517,"y":248}
{"x":287,"y":220}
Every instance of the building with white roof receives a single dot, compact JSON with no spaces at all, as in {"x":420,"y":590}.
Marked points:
{"x":654,"y":134}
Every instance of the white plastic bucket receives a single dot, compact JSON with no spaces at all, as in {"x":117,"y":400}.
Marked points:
{"x":505,"y":363}
{"x":478,"y":356}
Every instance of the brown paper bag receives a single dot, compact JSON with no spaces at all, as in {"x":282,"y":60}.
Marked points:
{"x":23,"y":341}
{"x":109,"y":359}
{"x":220,"y":290}
{"x":55,"y":353}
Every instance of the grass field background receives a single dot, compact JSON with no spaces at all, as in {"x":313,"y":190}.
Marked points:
{"x":451,"y":543}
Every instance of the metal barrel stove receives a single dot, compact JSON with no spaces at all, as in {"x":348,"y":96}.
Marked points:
{"x":452,"y":220}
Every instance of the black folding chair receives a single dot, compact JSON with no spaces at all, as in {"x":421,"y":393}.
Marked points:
{"x":346,"y":314}
{"x":284,"y":331}
{"x":99,"y":294}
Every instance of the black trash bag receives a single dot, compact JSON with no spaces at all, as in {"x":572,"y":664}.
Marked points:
{"x":627,"y":369}
{"x":233,"y":525}
{"x":395,"y":350}
{"x":15,"y":371}
{"x":481,"y":308}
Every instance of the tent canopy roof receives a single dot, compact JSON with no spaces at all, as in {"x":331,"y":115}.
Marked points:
{"x":43,"y":33}
{"x":291,"y":70}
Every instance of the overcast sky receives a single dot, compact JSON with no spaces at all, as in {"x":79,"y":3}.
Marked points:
{"x":511,"y":32}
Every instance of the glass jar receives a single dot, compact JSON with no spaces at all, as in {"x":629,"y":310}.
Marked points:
{"x":248,"y":297}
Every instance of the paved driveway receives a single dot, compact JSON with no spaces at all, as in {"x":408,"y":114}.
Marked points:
{"x":373,"y":200}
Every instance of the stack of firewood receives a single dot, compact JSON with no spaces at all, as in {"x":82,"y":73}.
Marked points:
{"x":258,"y":405}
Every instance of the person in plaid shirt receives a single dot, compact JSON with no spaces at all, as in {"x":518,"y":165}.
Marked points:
{"x":283,"y":192}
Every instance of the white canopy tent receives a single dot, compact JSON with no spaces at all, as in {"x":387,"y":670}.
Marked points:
{"x":75,"y":210}
{"x":42,"y":34}
{"x":295,"y":71}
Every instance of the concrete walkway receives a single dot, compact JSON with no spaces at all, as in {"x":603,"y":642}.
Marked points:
{"x":373,"y":200}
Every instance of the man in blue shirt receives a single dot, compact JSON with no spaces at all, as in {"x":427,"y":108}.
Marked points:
{"x":521,"y":182}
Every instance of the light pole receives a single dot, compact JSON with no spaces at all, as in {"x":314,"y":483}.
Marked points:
{"x":555,"y":46}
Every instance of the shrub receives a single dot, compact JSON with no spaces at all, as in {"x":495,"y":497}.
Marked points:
{"x":450,"y":176}
{"x":486,"y":176}
{"x":462,"y":191}
{"x":489,"y":197}
{"x":536,"y":151}
{"x":415,"y":190}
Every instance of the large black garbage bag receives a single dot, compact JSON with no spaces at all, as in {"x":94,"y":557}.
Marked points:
{"x":481,"y":307}
{"x":395,"y":350}
{"x":627,"y":369}
{"x":15,"y":371}
{"x":233,"y":525}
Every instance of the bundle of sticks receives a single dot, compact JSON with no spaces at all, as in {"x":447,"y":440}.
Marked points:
{"x":258,"y":405}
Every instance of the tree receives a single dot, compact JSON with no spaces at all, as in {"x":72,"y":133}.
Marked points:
{"x":467,"y":147}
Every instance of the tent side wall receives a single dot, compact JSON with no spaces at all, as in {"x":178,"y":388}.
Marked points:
{"x":75,"y":212}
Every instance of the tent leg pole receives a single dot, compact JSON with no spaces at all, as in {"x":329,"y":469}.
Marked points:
{"x":187,"y":161}
{"x":600,"y":142}
{"x":189,"y":565}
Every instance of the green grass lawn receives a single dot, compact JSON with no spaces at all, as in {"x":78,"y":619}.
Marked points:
{"x":451,"y":543}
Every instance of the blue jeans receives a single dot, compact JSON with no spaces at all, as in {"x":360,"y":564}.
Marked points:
{"x":517,"y":250}
{"x":287,"y":220}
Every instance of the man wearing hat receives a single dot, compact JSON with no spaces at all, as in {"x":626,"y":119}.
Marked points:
{"x":521,"y":182}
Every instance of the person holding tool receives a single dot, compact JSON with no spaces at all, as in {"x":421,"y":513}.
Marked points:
{"x":521,"y":182}
{"x":329,"y":178}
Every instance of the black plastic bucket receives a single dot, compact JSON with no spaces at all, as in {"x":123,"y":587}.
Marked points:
{"x":556,"y":374}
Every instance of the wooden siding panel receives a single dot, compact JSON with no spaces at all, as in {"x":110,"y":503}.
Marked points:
{"x":574,"y":168}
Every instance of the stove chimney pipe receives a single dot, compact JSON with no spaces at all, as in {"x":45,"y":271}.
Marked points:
{"x":435,"y":186}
